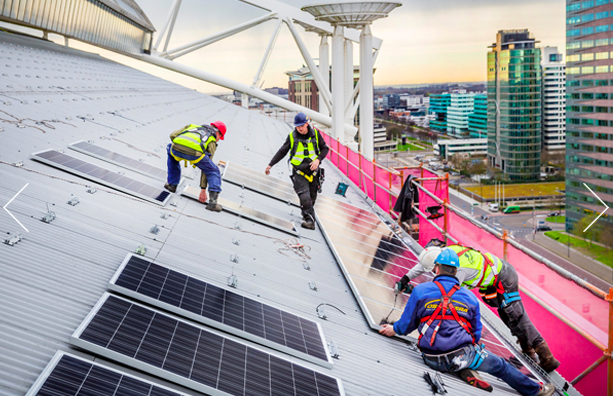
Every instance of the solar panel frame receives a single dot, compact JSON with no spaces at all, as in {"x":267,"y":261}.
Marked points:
{"x":96,"y":172}
{"x":59,"y":356}
{"x":247,"y":212}
{"x":121,"y":160}
{"x":493,"y":341}
{"x":328,"y":363}
{"x":170,"y":376}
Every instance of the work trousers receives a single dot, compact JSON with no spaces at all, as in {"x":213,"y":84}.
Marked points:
{"x":206,"y":165}
{"x":307,"y":193}
{"x":514,"y":314}
{"x":477,"y":358}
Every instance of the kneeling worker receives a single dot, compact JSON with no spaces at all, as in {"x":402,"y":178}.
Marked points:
{"x":196,"y":144}
{"x":307,"y":149}
{"x":449,"y":321}
{"x":498,"y":284}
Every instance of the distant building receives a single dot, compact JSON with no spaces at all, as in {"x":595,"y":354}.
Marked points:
{"x":302,"y":88}
{"x":554,"y":100}
{"x":438,"y":107}
{"x":391,"y":101}
{"x":477,"y":121}
{"x":277,"y":91}
{"x":514,"y":105}
{"x":461,"y":105}
{"x":589,"y":120}
{"x":380,"y":139}
{"x":447,"y":148}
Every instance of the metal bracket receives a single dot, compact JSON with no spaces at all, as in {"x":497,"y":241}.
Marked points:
{"x":165,"y":216}
{"x":155,"y":229}
{"x":306,"y":265}
{"x":233,"y":281}
{"x":173,"y":203}
{"x":49,"y":217}
{"x":321,"y":312}
{"x":91,"y":190}
{"x":141,"y":250}
{"x":238,"y":226}
{"x":234,"y":258}
{"x":74,"y":201}
{"x":313,"y":285}
{"x":334,"y":350}
{"x":12,"y":239}
{"x":235,"y":241}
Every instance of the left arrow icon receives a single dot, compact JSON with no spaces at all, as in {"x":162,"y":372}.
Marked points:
{"x":7,"y":211}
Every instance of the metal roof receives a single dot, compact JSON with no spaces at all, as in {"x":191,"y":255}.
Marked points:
{"x":52,"y":96}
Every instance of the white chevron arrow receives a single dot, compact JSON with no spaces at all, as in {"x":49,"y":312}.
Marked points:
{"x":7,"y":211}
{"x":605,"y":205}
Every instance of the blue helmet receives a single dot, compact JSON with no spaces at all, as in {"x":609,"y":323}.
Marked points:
{"x":448,"y":257}
{"x":300,"y":119}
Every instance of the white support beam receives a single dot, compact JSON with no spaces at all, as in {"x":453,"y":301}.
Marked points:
{"x":348,"y":83}
{"x":324,"y":69}
{"x":312,"y":67}
{"x":193,"y":46}
{"x":172,"y":25}
{"x":237,"y":86}
{"x":271,"y":44}
{"x":245,"y":101}
{"x":366,"y":93}
{"x":174,"y":9}
{"x":353,"y":110}
{"x":338,"y":82}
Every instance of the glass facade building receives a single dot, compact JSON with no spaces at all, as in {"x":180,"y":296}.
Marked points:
{"x":589,"y":109}
{"x":514,"y":105}
{"x":461,"y":105}
{"x":554,"y":101}
{"x":477,"y":121}
{"x":438,"y":107}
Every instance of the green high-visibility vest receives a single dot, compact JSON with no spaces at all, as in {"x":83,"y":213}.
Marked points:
{"x":195,"y":137}
{"x":304,"y":148}
{"x":475,"y":260}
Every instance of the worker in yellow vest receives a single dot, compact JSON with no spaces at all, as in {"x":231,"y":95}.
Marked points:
{"x":498,"y":285}
{"x":196,"y":145}
{"x":307,"y":149}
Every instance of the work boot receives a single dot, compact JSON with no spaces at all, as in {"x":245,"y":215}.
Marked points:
{"x":213,"y":205}
{"x":527,"y":350}
{"x":546,"y":390}
{"x":546,"y":359}
{"x":473,"y":378}
{"x":309,"y":221}
{"x":171,"y":187}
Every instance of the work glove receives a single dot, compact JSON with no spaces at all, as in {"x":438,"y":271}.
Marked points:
{"x":403,"y":285}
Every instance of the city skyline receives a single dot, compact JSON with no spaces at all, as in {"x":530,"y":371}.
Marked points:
{"x":420,"y":40}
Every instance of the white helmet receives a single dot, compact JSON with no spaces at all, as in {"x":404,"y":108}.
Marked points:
{"x":427,"y":257}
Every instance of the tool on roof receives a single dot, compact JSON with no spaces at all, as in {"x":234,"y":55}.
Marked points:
{"x":436,"y":383}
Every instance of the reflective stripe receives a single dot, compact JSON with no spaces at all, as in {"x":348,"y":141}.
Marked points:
{"x":192,"y":137}
{"x":487,"y":266}
{"x":508,"y":298}
{"x":299,"y":152}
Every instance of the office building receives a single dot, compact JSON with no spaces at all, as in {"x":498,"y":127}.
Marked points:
{"x":391,"y":101}
{"x":438,"y":108}
{"x":589,"y":121}
{"x":477,"y":121}
{"x":302,"y":88}
{"x":447,"y":148}
{"x":461,"y":105}
{"x":514,"y":105}
{"x":554,"y":101}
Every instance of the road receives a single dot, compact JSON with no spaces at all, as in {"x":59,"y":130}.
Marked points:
{"x":520,"y":227}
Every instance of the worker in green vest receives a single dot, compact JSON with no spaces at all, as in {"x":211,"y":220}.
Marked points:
{"x":196,"y":145}
{"x":498,"y":285}
{"x":307,"y":149}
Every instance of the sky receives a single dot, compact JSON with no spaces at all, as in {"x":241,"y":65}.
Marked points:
{"x":430,"y":41}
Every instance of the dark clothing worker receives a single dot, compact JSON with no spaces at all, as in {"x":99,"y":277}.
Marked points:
{"x":307,"y":149}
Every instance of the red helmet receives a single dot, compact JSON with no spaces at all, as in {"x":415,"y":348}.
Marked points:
{"x":221,"y":127}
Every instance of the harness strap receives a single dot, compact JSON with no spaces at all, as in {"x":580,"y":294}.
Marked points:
{"x":309,"y":178}
{"x":508,"y":298}
{"x":486,"y":262}
{"x":186,"y":161}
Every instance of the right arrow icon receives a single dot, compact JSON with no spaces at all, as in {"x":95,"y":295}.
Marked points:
{"x":605,"y":205}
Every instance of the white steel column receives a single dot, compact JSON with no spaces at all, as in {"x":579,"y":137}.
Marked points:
{"x":366,"y":93}
{"x":348,"y":77}
{"x":245,"y":100}
{"x":271,"y":44}
{"x":324,"y":70}
{"x":338,"y":83}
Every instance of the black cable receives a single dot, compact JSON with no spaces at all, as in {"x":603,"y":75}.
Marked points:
{"x":330,"y":305}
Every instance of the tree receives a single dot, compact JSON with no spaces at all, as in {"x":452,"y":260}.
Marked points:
{"x":591,"y":234}
{"x":606,"y":237}
{"x":393,"y":133}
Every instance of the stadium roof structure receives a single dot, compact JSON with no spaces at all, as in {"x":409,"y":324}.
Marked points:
{"x":79,"y":232}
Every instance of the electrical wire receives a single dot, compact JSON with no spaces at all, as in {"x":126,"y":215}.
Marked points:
{"x":330,"y":305}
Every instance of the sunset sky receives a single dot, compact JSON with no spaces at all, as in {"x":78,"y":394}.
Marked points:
{"x":423,"y":41}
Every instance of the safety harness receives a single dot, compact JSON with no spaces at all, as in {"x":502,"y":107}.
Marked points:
{"x":195,"y":137}
{"x":440,"y":314}
{"x":308,"y":149}
{"x":507,"y":298}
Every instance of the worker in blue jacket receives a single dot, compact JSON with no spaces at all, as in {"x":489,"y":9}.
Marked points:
{"x":449,"y":322}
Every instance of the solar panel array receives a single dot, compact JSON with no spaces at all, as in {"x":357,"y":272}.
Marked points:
{"x":209,"y":304}
{"x":200,"y":359}
{"x":259,"y":182}
{"x":373,"y":259}
{"x":247,"y":212}
{"x":68,"y":375}
{"x":118,"y":159}
{"x":103,"y":176}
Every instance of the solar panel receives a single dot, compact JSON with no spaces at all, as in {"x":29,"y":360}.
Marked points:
{"x":203,"y":360}
{"x":224,"y":309}
{"x":103,"y":176}
{"x":68,"y":375}
{"x":247,"y":212}
{"x":118,"y":159}
{"x":373,"y":259}
{"x":259,"y":182}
